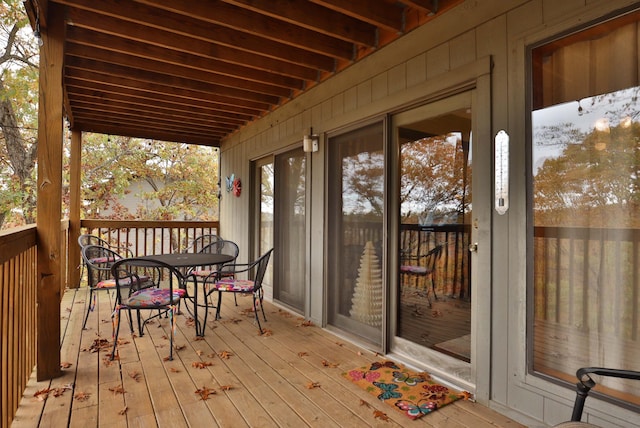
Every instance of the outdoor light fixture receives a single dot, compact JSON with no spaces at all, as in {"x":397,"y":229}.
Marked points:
{"x":310,"y":142}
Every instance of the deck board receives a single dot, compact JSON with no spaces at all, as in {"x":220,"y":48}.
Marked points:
{"x":269,"y":376}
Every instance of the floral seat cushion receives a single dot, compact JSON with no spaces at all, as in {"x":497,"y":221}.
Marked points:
{"x":105,"y":259}
{"x":152,"y":297}
{"x":205,"y":273}
{"x":111,"y":283}
{"x":417,"y":270}
{"x":230,"y":284}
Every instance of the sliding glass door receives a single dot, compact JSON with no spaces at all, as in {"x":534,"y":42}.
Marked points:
{"x":355,"y":200}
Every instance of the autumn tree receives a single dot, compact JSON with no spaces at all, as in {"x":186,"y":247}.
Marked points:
{"x":18,"y":115}
{"x":594,"y":179}
{"x":165,"y":181}
{"x":435,"y":179}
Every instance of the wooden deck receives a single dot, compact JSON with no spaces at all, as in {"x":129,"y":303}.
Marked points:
{"x":268,"y":377}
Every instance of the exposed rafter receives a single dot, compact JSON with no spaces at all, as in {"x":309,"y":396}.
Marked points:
{"x":197,"y":71}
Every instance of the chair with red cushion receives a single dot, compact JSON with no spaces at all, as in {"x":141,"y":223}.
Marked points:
{"x":98,"y":259}
{"x":226,"y":280}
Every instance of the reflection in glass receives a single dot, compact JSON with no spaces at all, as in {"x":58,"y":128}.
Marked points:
{"x":355,"y":209}
{"x":266,"y":215}
{"x":586,"y":200}
{"x":435,"y":206}
{"x":289,"y":285}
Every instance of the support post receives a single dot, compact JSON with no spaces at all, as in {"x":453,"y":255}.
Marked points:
{"x":49,"y":204}
{"x":74,"y":209}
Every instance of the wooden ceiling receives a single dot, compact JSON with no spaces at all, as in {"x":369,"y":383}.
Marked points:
{"x":196,"y":71}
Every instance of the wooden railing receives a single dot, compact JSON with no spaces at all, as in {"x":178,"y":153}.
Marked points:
{"x":589,"y":277}
{"x":149,"y":237}
{"x":18,"y":284}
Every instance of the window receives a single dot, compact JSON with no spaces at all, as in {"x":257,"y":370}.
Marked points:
{"x":585,"y":204}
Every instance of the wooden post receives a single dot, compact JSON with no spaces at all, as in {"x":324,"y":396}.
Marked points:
{"x":49,"y":202}
{"x":74,"y":209}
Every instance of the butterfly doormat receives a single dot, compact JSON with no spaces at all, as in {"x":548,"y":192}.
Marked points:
{"x":414,"y":394}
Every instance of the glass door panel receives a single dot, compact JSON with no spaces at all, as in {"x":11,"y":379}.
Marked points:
{"x":289,"y":233}
{"x":433,"y":295}
{"x":265,"y":227}
{"x":355,"y":200}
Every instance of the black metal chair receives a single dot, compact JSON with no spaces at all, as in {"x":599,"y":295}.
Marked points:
{"x":221,"y":246}
{"x":164,"y":296}
{"x":412,"y":265}
{"x":585,"y":384}
{"x":89,"y":239}
{"x":200,"y":242}
{"x":98,"y":260}
{"x":226,"y":280}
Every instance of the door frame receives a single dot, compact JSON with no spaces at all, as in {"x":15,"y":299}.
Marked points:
{"x":474,"y":376}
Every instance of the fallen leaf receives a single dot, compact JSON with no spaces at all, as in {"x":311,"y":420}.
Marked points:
{"x":199,"y":352}
{"x":65,"y":365}
{"x":174,"y":370}
{"x":266,"y":332}
{"x":339,"y":344}
{"x":117,"y":389}
{"x":326,"y":363}
{"x":179,"y":347}
{"x":135,"y":376}
{"x":380,"y":415}
{"x":197,"y":338}
{"x":123,"y":411}
{"x":311,"y":385}
{"x":302,"y":354}
{"x":201,"y":364}
{"x":42,"y":394}
{"x":82,"y":396}
{"x":205,"y":392}
{"x":225,"y":355}
{"x":306,"y":323}
{"x":226,"y":387}
{"x":364,"y":403}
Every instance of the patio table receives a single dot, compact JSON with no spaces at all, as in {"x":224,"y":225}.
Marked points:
{"x":192,"y":260}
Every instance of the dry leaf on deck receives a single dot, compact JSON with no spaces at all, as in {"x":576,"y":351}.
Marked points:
{"x":117,"y":389}
{"x":201,"y":364}
{"x":135,"y":376}
{"x":339,"y":344}
{"x":266,"y":332}
{"x":306,"y":323}
{"x":326,"y":363}
{"x":198,"y":338}
{"x":179,"y":347}
{"x":123,"y":411}
{"x":225,"y":355}
{"x":226,"y":387}
{"x":42,"y":394}
{"x":199,"y":352}
{"x":380,"y":415}
{"x":82,"y":396}
{"x":65,"y":365}
{"x":190,"y":322}
{"x":205,"y":392}
{"x":302,"y":354}
{"x":57,"y":392}
{"x":311,"y":385}
{"x":364,"y":403}
{"x":174,"y":370}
